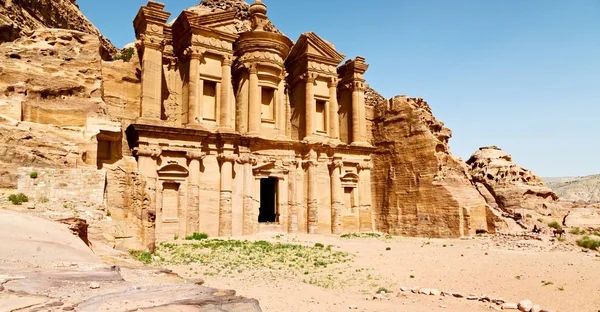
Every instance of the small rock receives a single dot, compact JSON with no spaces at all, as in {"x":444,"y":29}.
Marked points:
{"x":458,"y":295}
{"x":547,"y":310}
{"x":525,"y":305}
{"x":434,"y":292}
{"x":443,"y":306}
{"x":30,"y":206}
{"x":498,"y":301}
{"x":403,"y":289}
{"x":378,"y":297}
{"x":415,"y":290}
{"x":68,"y":308}
{"x":536,"y":308}
{"x":353,"y":307}
{"x":94,"y":285}
{"x":472,"y":297}
{"x":509,"y":306}
{"x":1,"y":288}
{"x":425,"y":291}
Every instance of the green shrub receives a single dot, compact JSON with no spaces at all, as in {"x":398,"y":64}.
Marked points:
{"x":319,"y":245}
{"x":384,"y":290}
{"x":388,"y":248}
{"x":33,"y":175}
{"x":18,"y":199}
{"x":589,"y":243}
{"x":144,"y":256}
{"x":554,"y":225}
{"x":125,"y":55}
{"x":197,"y":236}
{"x":176,"y":237}
{"x":577,"y":231}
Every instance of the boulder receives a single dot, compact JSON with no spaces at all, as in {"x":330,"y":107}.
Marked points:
{"x":525,"y":305}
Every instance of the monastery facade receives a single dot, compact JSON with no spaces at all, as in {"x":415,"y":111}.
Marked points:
{"x":245,"y":132}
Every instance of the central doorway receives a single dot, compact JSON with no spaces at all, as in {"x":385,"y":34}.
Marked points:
{"x":268,"y":201}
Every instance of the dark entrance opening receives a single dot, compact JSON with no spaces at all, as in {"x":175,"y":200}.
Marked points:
{"x":268,"y":201}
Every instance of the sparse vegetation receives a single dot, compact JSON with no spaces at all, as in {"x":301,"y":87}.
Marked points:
{"x":554,"y":225}
{"x":366,"y":235}
{"x":546,"y":283}
{"x":412,"y":276}
{"x":388,"y":248}
{"x":125,"y":55}
{"x":311,"y":264}
{"x":18,"y":199}
{"x":196,"y":236}
{"x":33,"y":175}
{"x":577,"y":231}
{"x":518,"y":277}
{"x":589,"y":243}
{"x":43,"y":199}
{"x":176,"y":237}
{"x":144,"y":256}
{"x":561,"y":288}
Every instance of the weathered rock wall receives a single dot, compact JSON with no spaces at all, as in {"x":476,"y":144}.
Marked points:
{"x":79,"y":185}
{"x":18,"y":17}
{"x":419,"y":187}
{"x":127,"y":200}
{"x":510,"y":186}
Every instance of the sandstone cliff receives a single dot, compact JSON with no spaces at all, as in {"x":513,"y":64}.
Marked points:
{"x":419,"y":187}
{"x":20,"y":17}
{"x":509,"y":186}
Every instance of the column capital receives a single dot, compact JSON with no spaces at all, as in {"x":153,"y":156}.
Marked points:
{"x":333,"y":82}
{"x":195,"y":155}
{"x":150,"y":41}
{"x":336,"y":164}
{"x":246,"y":159}
{"x":227,"y":60}
{"x":310,"y":77}
{"x":252,"y":68}
{"x":310,"y":163}
{"x":148,"y":151}
{"x":227,"y":157}
{"x":194,"y":53}
{"x":365,"y":165}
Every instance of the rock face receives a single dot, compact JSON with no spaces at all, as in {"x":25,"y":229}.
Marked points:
{"x":581,"y":189}
{"x":18,"y":17}
{"x":420,"y":188}
{"x":241,"y":8}
{"x":510,"y":187}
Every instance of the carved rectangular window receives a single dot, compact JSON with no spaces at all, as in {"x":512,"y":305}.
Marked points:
{"x":349,"y":200}
{"x":209,"y":100}
{"x":321,"y":118}
{"x":267,"y":112}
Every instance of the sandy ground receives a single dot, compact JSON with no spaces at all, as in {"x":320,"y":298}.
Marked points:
{"x":499,"y":267}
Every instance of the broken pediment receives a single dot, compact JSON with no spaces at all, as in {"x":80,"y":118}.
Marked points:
{"x":209,"y":30}
{"x":311,"y":47}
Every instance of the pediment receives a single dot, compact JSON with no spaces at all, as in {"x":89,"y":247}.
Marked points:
{"x":173,"y":170}
{"x":314,"y":47}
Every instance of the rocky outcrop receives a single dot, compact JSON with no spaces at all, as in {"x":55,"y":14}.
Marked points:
{"x":420,"y":188}
{"x":242,"y":9}
{"x":510,"y":186}
{"x":20,"y":17}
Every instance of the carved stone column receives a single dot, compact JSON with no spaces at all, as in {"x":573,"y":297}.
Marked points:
{"x":356,"y":131}
{"x":366,"y":221}
{"x":337,"y":200}
{"x":309,"y":105}
{"x":254,"y":121}
{"x":225,"y":212}
{"x":194,"y":84}
{"x":312,"y":201}
{"x":225,"y":120}
{"x":193,"y":220}
{"x":334,"y":124}
{"x":247,"y":161}
{"x":151,"y":76}
{"x":292,"y":199}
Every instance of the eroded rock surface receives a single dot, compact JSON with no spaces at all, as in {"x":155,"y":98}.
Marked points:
{"x":19,"y":17}
{"x":511,"y":186}
{"x":242,"y":9}
{"x":421,"y":189}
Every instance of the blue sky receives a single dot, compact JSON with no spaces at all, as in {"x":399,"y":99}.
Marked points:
{"x":520,"y":74}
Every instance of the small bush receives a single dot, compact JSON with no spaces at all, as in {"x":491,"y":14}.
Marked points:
{"x":33,"y":175}
{"x":144,"y":256}
{"x":176,"y":237}
{"x":412,"y":276}
{"x":546,"y":283}
{"x":197,"y":236}
{"x":125,"y":55}
{"x":388,"y":248}
{"x":384,"y":290}
{"x":554,"y":225}
{"x":589,"y":243}
{"x":43,"y":199}
{"x":18,"y":199}
{"x":319,"y":245}
{"x":577,"y":231}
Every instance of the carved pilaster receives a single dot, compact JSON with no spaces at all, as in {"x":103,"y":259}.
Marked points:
{"x":312,"y":201}
{"x":225,"y":197}
{"x":336,"y":195}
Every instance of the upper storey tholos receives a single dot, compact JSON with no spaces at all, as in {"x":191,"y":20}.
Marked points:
{"x":225,"y":68}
